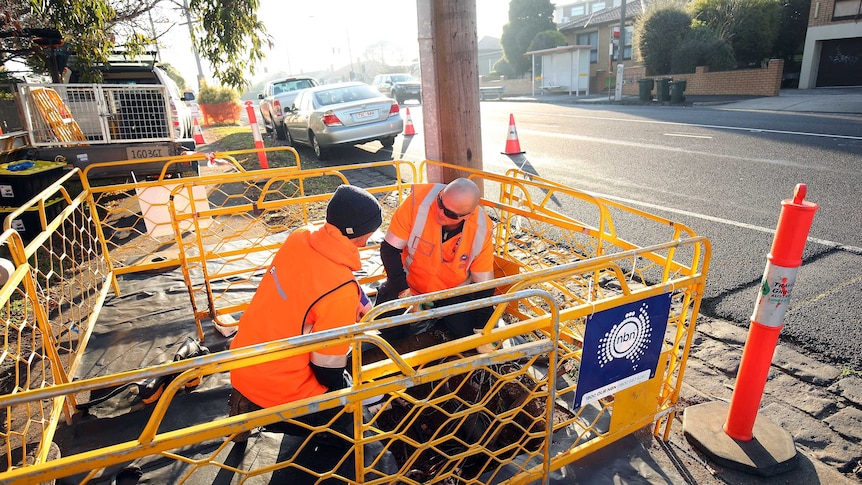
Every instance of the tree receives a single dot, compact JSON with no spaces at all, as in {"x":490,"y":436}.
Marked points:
{"x":702,"y":47}
{"x":792,"y":27}
{"x":526,"y":19}
{"x":228,"y":34}
{"x":546,"y":40}
{"x":658,"y":33}
{"x":750,"y":26}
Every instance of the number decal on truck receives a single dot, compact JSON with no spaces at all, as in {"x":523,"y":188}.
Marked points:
{"x":136,"y":153}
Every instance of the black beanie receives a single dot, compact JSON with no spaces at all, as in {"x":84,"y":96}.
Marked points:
{"x":354,"y":211}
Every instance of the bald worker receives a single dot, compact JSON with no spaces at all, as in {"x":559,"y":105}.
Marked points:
{"x":439,"y":238}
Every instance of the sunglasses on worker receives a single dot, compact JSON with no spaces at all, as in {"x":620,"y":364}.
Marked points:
{"x":449,"y":212}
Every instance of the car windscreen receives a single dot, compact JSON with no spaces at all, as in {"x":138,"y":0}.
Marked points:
{"x":344,"y":94}
{"x":294,"y":85}
{"x":400,"y":78}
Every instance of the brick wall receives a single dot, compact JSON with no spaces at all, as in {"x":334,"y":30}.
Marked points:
{"x":755,"y":82}
{"x":821,"y":12}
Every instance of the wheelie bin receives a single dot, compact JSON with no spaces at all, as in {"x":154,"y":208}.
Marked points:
{"x":645,"y":89}
{"x":677,"y":88}
{"x":662,"y":89}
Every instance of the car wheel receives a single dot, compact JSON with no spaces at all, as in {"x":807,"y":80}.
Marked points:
{"x":288,"y":140}
{"x":388,"y":142}
{"x":399,"y":99}
{"x":266,"y":127}
{"x":279,"y":131}
{"x":319,"y":151}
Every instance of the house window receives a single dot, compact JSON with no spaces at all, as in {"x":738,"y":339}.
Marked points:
{"x":847,"y":9}
{"x":577,"y":10}
{"x":627,"y":53}
{"x":591,"y":39}
{"x":597,"y":6}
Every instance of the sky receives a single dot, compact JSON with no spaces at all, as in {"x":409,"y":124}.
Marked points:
{"x":316,"y":35}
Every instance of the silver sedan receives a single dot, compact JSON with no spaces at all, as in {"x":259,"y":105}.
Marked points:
{"x":342,"y":114}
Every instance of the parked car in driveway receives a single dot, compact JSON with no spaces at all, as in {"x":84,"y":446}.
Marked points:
{"x":277,"y":96}
{"x":401,"y":86}
{"x":346,"y":113}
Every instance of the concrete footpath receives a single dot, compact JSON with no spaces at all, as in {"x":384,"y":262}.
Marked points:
{"x":843,"y":100}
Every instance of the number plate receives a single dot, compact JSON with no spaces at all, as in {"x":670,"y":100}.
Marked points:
{"x":364,"y":115}
{"x":155,"y":151}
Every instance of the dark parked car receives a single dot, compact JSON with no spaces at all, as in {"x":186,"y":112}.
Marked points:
{"x":399,"y":86}
{"x":342,"y":114}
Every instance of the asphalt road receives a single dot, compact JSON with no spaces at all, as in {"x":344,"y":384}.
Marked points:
{"x":722,"y":173}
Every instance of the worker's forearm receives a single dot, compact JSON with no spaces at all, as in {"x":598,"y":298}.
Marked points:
{"x":395,"y":275}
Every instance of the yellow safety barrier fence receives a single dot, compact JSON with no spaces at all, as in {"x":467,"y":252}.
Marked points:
{"x":51,"y":301}
{"x":583,"y":284}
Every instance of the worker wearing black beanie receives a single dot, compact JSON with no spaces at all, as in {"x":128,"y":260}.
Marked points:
{"x":354,"y":211}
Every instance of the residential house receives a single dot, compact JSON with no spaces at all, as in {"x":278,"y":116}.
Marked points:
{"x":597,"y":29}
{"x":564,"y":14}
{"x":490,"y":51}
{"x":833,"y":45}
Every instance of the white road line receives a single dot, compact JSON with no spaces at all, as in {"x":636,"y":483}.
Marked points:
{"x":684,"y":135}
{"x":716,"y":127}
{"x":771,"y":161}
{"x":825,"y":242}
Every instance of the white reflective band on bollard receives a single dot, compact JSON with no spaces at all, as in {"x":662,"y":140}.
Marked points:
{"x":775,"y":289}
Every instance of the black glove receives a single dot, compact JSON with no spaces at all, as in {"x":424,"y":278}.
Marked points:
{"x":331,"y":377}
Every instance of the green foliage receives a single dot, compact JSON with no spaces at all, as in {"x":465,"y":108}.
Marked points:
{"x":755,"y":31}
{"x":719,"y":15}
{"x":217,"y":94}
{"x":702,"y":47}
{"x":230,"y":36}
{"x":526,"y":19}
{"x":792,"y":27}
{"x":750,"y":26}
{"x":80,"y":25}
{"x":658,"y":33}
{"x":547,"y":40}
{"x":503,"y":68}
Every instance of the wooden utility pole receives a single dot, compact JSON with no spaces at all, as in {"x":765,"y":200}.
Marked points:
{"x":448,"y":57}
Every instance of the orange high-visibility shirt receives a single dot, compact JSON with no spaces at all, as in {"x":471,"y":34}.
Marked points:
{"x":434,"y":265}
{"x":310,"y":282}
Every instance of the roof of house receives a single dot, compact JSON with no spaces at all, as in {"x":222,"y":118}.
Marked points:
{"x":488,"y":43}
{"x":604,"y":16}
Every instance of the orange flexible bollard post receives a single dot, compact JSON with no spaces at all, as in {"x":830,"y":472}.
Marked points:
{"x":733,"y":434}
{"x":783,"y":262}
{"x":255,"y":131}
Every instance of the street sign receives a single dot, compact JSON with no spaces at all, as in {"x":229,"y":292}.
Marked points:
{"x":622,"y":346}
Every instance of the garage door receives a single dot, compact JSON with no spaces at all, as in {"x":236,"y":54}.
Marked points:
{"x":840,"y":63}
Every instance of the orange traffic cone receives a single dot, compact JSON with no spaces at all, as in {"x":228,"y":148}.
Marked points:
{"x":408,"y":128}
{"x":512,"y":145}
{"x":199,"y":135}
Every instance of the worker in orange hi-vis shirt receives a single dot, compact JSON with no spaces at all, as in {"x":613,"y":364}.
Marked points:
{"x":309,"y":287}
{"x":439,"y":238}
